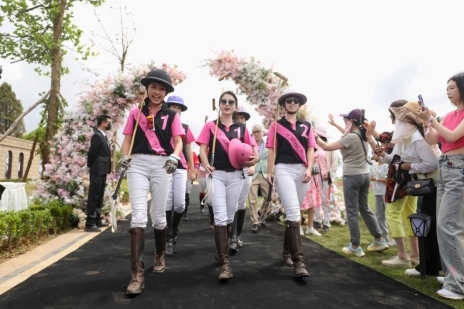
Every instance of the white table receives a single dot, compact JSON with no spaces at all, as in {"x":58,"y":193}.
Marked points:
{"x":14,"y":197}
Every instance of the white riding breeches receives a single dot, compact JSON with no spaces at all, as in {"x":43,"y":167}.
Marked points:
{"x":146,"y":174}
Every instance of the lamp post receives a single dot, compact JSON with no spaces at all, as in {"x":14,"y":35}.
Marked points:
{"x":420,"y":224}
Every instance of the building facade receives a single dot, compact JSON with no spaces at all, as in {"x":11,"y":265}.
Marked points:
{"x":14,"y":156}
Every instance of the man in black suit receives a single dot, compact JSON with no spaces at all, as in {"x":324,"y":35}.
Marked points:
{"x":99,"y":162}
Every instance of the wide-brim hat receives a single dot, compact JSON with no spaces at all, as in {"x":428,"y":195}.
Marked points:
{"x":292,"y":93}
{"x":242,"y":111}
{"x":239,"y":153}
{"x":321,"y":131}
{"x":158,"y":76}
{"x":177,"y":100}
{"x":408,"y":113}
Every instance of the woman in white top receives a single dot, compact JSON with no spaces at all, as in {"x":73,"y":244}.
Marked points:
{"x":417,"y":157}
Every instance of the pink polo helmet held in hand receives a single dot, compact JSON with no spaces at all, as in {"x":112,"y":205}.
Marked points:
{"x":239,"y":153}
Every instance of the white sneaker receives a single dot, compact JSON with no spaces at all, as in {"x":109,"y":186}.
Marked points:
{"x":450,"y":295}
{"x":412,"y":272}
{"x":414,"y":261}
{"x":441,"y":280}
{"x":301,"y":231}
{"x":396,"y":262}
{"x":312,"y":231}
{"x":392,"y":243}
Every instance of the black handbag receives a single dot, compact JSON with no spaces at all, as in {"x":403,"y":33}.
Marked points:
{"x":420,"y":187}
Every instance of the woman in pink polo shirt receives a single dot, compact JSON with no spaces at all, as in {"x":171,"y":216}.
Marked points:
{"x":290,"y":145}
{"x":153,"y":159}
{"x":227,"y":180}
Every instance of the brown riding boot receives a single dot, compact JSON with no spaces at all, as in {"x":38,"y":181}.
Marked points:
{"x":286,"y":253}
{"x":160,"y":246}
{"x":296,"y":248}
{"x":222,"y":247}
{"x":137,"y":245}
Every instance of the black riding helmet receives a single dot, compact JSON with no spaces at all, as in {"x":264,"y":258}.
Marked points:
{"x":158,"y":76}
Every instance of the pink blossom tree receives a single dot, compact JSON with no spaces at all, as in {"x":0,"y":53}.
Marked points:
{"x":65,"y":178}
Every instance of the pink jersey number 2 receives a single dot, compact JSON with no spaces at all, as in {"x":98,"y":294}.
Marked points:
{"x":305,"y":132}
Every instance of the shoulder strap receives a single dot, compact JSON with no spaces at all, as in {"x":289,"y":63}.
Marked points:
{"x":184,"y":139}
{"x":364,"y":147}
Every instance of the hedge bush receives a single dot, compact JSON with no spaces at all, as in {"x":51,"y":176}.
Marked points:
{"x":30,"y":225}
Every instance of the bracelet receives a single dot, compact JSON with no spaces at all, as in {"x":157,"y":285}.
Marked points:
{"x":175,"y":157}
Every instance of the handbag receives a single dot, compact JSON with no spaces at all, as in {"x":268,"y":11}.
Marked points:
{"x":420,"y":187}
{"x":397,"y":180}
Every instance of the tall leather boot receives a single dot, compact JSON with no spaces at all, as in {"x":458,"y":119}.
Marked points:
{"x":187,"y":202}
{"x":160,"y":247}
{"x":240,"y":221}
{"x":170,"y":236}
{"x":221,"y":238}
{"x":286,"y":252}
{"x":233,"y":236}
{"x":296,"y":248}
{"x":137,"y":247}
{"x":211,"y":216}
{"x":175,"y":225}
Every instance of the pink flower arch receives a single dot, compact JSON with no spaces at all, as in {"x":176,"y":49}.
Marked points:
{"x":65,"y":178}
{"x":258,"y":83}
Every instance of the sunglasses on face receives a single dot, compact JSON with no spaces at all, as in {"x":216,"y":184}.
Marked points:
{"x":292,"y":100}
{"x":230,"y":102}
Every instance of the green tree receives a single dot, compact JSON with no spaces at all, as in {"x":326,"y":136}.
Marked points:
{"x":30,"y":136}
{"x":40,"y":31}
{"x":10,"y":109}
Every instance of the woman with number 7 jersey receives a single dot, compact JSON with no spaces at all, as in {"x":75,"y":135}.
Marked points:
{"x":232,"y":148}
{"x":290,"y":146}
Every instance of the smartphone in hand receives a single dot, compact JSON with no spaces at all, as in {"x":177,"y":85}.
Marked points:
{"x":421,"y":101}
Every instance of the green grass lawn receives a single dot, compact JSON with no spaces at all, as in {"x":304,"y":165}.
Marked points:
{"x":339,"y":236}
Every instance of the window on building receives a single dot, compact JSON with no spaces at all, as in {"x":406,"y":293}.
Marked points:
{"x":8,"y":164}
{"x":21,"y":165}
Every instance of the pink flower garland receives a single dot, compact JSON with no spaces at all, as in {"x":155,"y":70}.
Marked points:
{"x":66,"y":177}
{"x":257,"y":83}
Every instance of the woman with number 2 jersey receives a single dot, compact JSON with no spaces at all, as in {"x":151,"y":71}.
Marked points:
{"x":233,"y":149}
{"x":290,"y":146}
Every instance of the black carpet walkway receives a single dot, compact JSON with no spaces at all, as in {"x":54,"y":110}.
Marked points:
{"x":96,"y":276}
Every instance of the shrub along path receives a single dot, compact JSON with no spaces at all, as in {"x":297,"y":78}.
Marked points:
{"x":96,"y":276}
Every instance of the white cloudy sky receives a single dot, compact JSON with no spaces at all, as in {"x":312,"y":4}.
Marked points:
{"x":341,"y":54}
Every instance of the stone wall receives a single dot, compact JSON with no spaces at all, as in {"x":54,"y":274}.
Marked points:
{"x":18,"y":150}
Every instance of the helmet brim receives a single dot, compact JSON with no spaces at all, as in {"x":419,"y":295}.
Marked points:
{"x":245,"y":114}
{"x":149,"y":79}
{"x":182,"y":106}
{"x":299,"y":95}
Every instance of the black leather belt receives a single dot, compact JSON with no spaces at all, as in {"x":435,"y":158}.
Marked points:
{"x":152,"y":154}
{"x":229,"y":170}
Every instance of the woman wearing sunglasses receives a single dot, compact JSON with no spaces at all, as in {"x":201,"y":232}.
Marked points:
{"x":290,"y":146}
{"x":227,"y":180}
